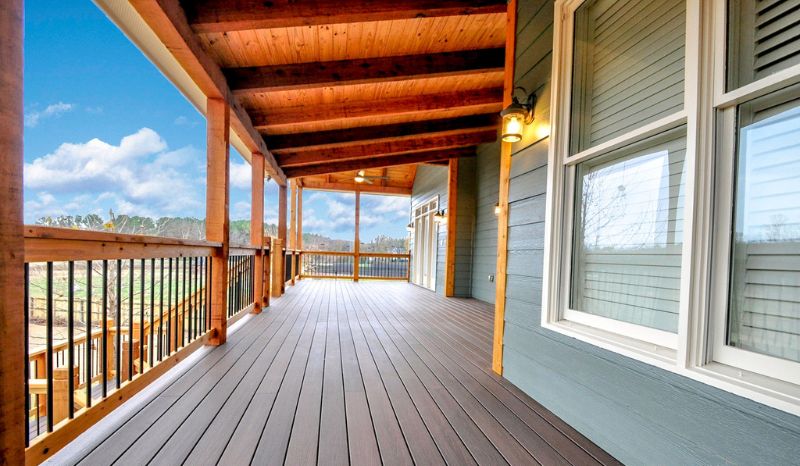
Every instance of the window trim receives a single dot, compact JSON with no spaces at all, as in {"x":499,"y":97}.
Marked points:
{"x":694,"y":356}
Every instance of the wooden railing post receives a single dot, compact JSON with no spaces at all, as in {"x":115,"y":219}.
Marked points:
{"x":277,"y":267}
{"x":293,"y":226}
{"x":299,"y":243}
{"x":217,"y":220}
{"x":280,"y":271}
{"x":12,"y":320}
{"x":357,"y":240}
{"x":61,"y":391}
{"x":257,"y":229}
{"x":111,"y":330}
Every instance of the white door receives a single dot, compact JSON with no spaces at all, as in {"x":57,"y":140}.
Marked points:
{"x":424,"y":260}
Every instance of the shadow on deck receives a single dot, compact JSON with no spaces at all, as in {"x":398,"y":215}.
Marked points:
{"x":338,"y":372}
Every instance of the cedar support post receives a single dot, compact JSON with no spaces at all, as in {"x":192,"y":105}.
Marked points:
{"x":217,"y":221}
{"x":357,"y":242}
{"x":452,"y":205}
{"x":505,"y":178}
{"x":299,"y":244}
{"x":257,"y":230}
{"x":280,"y":272}
{"x":12,"y":323}
{"x":276,"y":267}
{"x":293,"y":226}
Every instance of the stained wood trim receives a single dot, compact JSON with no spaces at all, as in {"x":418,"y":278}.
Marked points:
{"x":167,"y":20}
{"x":218,"y":211}
{"x":302,"y":114}
{"x":348,"y":187}
{"x":299,"y":242}
{"x":293,"y":225}
{"x":357,"y":239}
{"x":377,"y":162}
{"x":12,"y":322}
{"x":377,"y":149}
{"x":452,"y":215}
{"x":285,"y":143}
{"x":505,"y":181}
{"x":222,"y":16}
{"x":299,"y":76}
{"x":257,"y":229}
{"x":68,"y":430}
{"x":55,"y":233}
{"x":280,"y":265}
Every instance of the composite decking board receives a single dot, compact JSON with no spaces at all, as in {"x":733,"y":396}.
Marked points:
{"x":112,"y":446}
{"x":216,"y":437}
{"x":223,"y":402}
{"x":483,"y":435}
{"x":391,"y":442}
{"x":447,"y":440}
{"x":342,"y":373}
{"x":418,"y":439}
{"x":362,"y":443}
{"x":446,"y":369}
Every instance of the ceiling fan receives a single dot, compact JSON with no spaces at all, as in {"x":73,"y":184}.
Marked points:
{"x":361,"y":177}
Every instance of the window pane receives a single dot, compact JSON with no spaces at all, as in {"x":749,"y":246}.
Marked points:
{"x":763,"y":38}
{"x":765,"y":276}
{"x":628,"y":234}
{"x":628,"y":67}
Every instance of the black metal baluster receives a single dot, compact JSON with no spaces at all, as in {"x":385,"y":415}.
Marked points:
{"x":87,"y":348}
{"x":195,"y":329}
{"x":26,"y":350}
{"x":185,"y":299}
{"x":118,"y":324}
{"x":177,"y":299}
{"x":104,"y":355}
{"x":161,"y":310}
{"x":152,"y":308}
{"x":169,"y":309}
{"x":141,"y":316}
{"x":209,"y":285}
{"x":131,"y":269}
{"x":49,"y":351}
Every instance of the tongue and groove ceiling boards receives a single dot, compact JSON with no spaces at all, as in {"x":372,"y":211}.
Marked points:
{"x":336,"y":86}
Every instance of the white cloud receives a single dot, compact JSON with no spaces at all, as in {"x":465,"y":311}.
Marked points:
{"x":33,"y":118}
{"x":241,"y":210}
{"x":185,"y":121}
{"x":241,"y":173}
{"x":139,"y":176}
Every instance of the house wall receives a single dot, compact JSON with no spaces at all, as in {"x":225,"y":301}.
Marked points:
{"x":484,"y":251}
{"x":639,"y":413}
{"x":465,"y":226}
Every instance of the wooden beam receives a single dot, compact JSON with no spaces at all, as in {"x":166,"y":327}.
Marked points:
{"x":380,"y":149}
{"x":281,"y":236}
{"x":357,"y":239}
{"x":452,"y":214}
{"x":217,"y":213}
{"x":483,"y":100}
{"x":168,"y":21}
{"x":285,"y":143}
{"x":299,"y":241}
{"x":221,"y":16}
{"x":505,"y":181}
{"x":12,"y":323}
{"x":293,"y":224}
{"x":300,"y":76}
{"x":378,"y":162}
{"x":350,"y":187}
{"x":257,"y":229}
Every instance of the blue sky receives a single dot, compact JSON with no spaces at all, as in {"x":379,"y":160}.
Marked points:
{"x":105,"y":130}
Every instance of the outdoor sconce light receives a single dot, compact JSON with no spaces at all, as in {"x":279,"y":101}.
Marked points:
{"x":440,"y":217}
{"x":516,"y":116}
{"x":410,"y":227}
{"x":497,"y":209}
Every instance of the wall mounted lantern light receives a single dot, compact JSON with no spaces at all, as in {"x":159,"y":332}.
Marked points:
{"x":517,"y":115}
{"x":497,"y":209}
{"x":440,"y":217}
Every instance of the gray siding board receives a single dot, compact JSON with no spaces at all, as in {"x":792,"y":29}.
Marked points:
{"x":639,"y":413}
{"x":484,"y":252}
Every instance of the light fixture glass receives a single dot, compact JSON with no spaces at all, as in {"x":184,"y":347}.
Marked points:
{"x":497,"y":209}
{"x":359,"y":179}
{"x":440,"y":217}
{"x":410,"y":227}
{"x":516,"y":116}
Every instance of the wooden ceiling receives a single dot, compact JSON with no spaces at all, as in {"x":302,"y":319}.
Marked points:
{"x":336,"y":85}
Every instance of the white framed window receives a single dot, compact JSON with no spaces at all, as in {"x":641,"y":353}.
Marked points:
{"x":673,"y":212}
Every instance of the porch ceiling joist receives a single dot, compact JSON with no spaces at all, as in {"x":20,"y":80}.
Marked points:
{"x":378,"y":70}
{"x":285,"y":143}
{"x":484,"y":100}
{"x":310,"y":183}
{"x":382,"y":149}
{"x":167,"y":20}
{"x":377,"y":162}
{"x":225,"y":15}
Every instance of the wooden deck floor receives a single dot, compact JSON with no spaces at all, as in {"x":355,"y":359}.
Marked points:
{"x":336,"y":373}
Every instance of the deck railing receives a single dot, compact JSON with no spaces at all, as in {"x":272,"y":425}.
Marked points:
{"x":349,"y":265}
{"x":105,"y":314}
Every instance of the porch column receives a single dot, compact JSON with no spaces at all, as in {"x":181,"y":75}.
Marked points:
{"x":505,"y":181}
{"x":299,"y":244}
{"x":452,"y":205}
{"x":217,"y":220}
{"x":281,"y":273}
{"x":293,"y":225}
{"x":357,"y":241}
{"x":12,"y":322}
{"x":257,"y":229}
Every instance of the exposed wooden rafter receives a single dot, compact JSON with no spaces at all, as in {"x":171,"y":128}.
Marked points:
{"x":377,"y":162}
{"x":363,"y":71}
{"x":225,"y":15}
{"x":350,"y":187}
{"x":483,"y":100}
{"x":167,"y":20}
{"x":382,"y":149}
{"x":285,"y":143}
